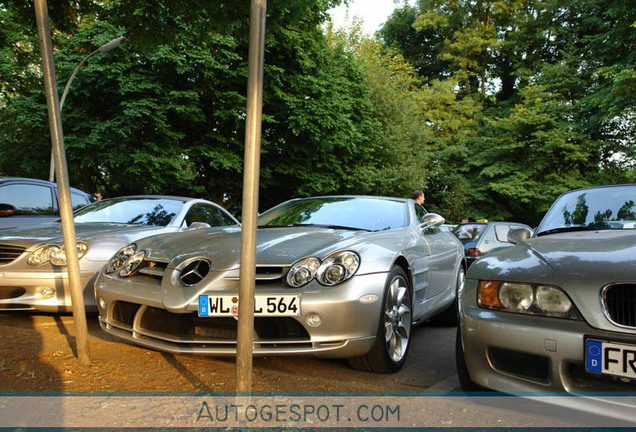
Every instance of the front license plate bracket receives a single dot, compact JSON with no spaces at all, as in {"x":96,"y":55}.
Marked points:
{"x":607,"y":357}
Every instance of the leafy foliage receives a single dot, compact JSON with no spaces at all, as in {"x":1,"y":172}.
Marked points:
{"x":495,"y":107}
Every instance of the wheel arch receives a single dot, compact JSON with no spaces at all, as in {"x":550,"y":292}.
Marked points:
{"x":402,"y":262}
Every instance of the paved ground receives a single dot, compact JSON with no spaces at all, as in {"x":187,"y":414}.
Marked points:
{"x":37,"y":353}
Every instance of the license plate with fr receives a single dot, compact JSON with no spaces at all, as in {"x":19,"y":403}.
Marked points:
{"x":610,"y":358}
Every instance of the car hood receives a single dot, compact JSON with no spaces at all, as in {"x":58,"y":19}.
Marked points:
{"x":275,"y":246}
{"x":31,"y":236}
{"x":579,"y":257}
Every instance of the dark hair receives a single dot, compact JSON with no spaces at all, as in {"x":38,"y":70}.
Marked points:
{"x":416,"y":194}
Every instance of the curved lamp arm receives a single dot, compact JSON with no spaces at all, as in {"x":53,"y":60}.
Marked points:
{"x":102,"y":49}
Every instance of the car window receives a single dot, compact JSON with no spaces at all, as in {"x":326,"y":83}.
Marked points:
{"x":28,"y":199}
{"x":501,"y":231}
{"x":468,"y":232}
{"x":420,"y":213}
{"x":597,"y":208}
{"x":208,"y":214}
{"x":138,"y":211}
{"x":373,"y":214}
{"x":78,"y":200}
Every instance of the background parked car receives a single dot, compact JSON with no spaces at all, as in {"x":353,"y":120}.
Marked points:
{"x":33,"y":261}
{"x":25,"y":201}
{"x":338,"y":276}
{"x":482,"y":238}
{"x":447,"y":227}
{"x":557,"y":312}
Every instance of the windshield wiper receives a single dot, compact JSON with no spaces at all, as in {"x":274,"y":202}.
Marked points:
{"x":340,"y":227}
{"x":567,"y":229}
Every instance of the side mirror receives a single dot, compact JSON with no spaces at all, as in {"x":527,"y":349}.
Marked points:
{"x":432,"y":220}
{"x":6,"y":210}
{"x":198,"y":225}
{"x":517,"y":235}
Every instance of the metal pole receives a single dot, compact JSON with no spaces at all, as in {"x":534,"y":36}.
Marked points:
{"x":245,"y":342}
{"x":66,"y":211}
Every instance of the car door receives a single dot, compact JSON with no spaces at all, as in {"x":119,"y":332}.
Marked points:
{"x":442,"y":250}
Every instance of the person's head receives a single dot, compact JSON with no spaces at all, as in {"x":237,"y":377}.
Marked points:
{"x":98,"y":195}
{"x":418,"y":196}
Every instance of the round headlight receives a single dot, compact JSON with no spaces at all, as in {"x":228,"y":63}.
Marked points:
{"x":338,"y":268}
{"x":516,"y":297}
{"x":120,"y":258}
{"x":334,"y":273}
{"x":132,"y":264}
{"x":57,"y":256}
{"x":552,"y":300}
{"x":303,"y":271}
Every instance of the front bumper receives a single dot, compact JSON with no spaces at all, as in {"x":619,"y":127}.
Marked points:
{"x":514,"y":353}
{"x":42,"y":291}
{"x":142,"y":313}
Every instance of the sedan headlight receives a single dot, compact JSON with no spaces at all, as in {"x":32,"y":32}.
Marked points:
{"x":526,"y":298}
{"x":54,"y":254}
{"x":335,"y":269}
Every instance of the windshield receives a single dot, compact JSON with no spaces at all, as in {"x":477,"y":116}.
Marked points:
{"x":138,"y":211}
{"x":468,"y":232}
{"x":372,"y":214}
{"x":598,"y":208}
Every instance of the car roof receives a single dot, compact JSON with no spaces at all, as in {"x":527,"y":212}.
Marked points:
{"x":353,"y":196}
{"x":173,"y":197}
{"x":36,"y":181}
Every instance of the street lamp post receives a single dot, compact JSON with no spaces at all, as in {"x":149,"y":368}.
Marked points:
{"x":102,"y":49}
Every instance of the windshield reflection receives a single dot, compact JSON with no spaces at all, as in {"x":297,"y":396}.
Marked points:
{"x":372,"y":214}
{"x":133,"y":211}
{"x":602,"y":208}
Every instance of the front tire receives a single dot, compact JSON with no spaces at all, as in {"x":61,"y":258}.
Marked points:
{"x":392,"y":342}
{"x":467,"y":384}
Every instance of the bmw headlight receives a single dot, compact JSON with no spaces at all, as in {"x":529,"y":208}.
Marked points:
{"x":335,"y":269}
{"x":531,"y":299}
{"x":54,"y":254}
{"x":119,"y":259}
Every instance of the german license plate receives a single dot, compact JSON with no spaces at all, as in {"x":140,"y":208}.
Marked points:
{"x":611,"y":358}
{"x":227,"y":305}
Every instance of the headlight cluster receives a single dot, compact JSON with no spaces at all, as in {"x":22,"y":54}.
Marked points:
{"x":54,"y":254}
{"x":331,"y":271}
{"x":526,"y":298}
{"x":126,"y":261}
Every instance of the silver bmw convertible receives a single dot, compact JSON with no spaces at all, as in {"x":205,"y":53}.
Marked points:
{"x":33,"y":273}
{"x":557,"y":312}
{"x":337,"y":276}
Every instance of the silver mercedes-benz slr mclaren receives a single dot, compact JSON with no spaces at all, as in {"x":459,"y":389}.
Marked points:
{"x":338,"y":276}
{"x":557,"y":312}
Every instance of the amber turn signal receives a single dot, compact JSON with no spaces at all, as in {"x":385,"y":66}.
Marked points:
{"x":488,"y":294}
